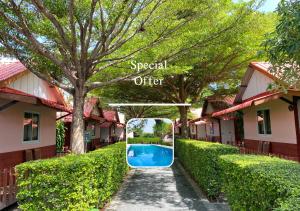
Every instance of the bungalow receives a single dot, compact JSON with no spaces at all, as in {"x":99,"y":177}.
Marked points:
{"x":198,"y":129}
{"x":270,"y":118}
{"x":214,"y":129}
{"x":93,"y":117}
{"x":28,"y":107}
{"x":112,"y":130}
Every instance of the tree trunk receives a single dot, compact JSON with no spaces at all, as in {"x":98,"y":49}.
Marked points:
{"x":183,"y":120}
{"x":77,"y":135}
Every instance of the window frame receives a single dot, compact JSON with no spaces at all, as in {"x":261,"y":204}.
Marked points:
{"x":264,"y":123}
{"x":39,"y":128}
{"x":193,"y":129}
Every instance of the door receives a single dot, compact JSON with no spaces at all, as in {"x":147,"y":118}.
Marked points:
{"x":227,"y":132}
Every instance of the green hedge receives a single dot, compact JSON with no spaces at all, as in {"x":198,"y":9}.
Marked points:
{"x":201,"y":160}
{"x":144,"y":140}
{"x":254,"y":182}
{"x":73,"y":182}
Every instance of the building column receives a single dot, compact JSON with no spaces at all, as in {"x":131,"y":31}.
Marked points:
{"x":220,"y":131}
{"x":296,"y":115}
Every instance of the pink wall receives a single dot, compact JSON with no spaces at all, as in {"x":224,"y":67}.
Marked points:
{"x":216,"y":131}
{"x":282,"y":123}
{"x":11,"y":127}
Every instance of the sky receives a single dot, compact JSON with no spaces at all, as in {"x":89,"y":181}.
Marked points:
{"x":268,"y":6}
{"x":148,"y":128}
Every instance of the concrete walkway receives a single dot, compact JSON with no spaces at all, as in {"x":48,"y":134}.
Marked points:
{"x":161,"y":189}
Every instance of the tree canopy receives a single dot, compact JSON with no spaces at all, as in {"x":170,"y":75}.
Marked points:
{"x":283,"y":45}
{"x":219,"y":62}
{"x":80,"y":45}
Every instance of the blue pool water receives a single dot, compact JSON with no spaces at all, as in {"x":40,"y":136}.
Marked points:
{"x":147,"y":155}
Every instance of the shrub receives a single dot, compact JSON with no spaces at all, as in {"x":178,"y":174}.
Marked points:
{"x":254,"y":182}
{"x":73,"y":182}
{"x":144,"y":140}
{"x":60,"y":135}
{"x":201,"y":160}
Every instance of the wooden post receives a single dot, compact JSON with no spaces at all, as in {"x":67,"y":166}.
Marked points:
{"x":296,"y":115}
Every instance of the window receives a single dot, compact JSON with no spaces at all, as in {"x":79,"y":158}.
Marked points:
{"x":193,"y":129}
{"x":31,"y":126}
{"x":113,"y":130}
{"x":91,"y":128}
{"x":211,"y":128}
{"x":264,"y":122}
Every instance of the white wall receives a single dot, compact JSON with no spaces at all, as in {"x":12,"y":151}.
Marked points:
{"x":257,"y":84}
{"x":31,"y":84}
{"x":227,"y":131}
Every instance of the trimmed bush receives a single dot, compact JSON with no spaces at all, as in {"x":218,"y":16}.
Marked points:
{"x":144,"y":140}
{"x":73,"y":182}
{"x":254,"y":182}
{"x":201,"y":160}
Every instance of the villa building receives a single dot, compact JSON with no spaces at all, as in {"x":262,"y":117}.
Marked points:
{"x":28,"y":107}
{"x":270,"y":118}
{"x":101,"y":127}
{"x":93,"y":117}
{"x":215,"y":129}
{"x":112,"y":130}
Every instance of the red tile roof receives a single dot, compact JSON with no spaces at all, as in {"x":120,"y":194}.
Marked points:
{"x":111,"y":116}
{"x":218,"y":103}
{"x":9,"y":69}
{"x":249,"y":102}
{"x":264,"y":68}
{"x":45,"y":102}
{"x":89,"y":106}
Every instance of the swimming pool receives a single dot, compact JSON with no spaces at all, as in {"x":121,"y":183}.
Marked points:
{"x":148,"y":155}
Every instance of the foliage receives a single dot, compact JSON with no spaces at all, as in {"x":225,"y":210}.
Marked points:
{"x":254,"y":182}
{"x":148,"y":135}
{"x":60,"y":135}
{"x":148,"y":140}
{"x":201,"y":160}
{"x":224,"y":42}
{"x":82,"y":45}
{"x":73,"y":182}
{"x":144,"y":140}
{"x":283,"y":45}
{"x":162,"y":128}
{"x":136,"y":126}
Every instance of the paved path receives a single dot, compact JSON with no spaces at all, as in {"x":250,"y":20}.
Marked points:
{"x":160,"y":189}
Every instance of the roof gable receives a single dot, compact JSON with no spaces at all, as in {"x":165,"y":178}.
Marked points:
{"x":111,"y":115}
{"x":216,"y":103}
{"x":92,"y":107}
{"x":255,"y":81}
{"x":14,"y":75}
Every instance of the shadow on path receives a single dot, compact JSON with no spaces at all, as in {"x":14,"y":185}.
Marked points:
{"x":159,"y":189}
